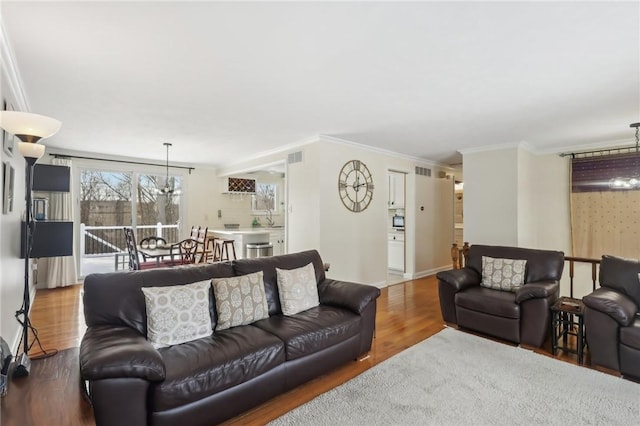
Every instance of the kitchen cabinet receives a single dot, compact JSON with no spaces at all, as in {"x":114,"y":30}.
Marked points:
{"x":241,"y":238}
{"x":396,"y":190}
{"x":395,"y":252}
{"x":277,"y":239}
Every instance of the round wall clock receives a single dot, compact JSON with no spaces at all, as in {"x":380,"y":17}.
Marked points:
{"x":355,"y":185}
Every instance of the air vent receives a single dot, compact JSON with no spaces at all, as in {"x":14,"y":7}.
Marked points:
{"x":423,"y":171}
{"x":295,"y":157}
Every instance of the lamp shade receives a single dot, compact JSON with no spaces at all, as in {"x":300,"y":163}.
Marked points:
{"x":27,"y":126}
{"x":31,"y":150}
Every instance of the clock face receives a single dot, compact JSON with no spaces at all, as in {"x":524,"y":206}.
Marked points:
{"x":355,"y":186}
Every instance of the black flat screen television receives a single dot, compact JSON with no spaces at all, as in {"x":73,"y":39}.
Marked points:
{"x":47,"y":177}
{"x":50,"y":239}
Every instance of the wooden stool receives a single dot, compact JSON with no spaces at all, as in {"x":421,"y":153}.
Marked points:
{"x":221,"y":249}
{"x":208,"y":251}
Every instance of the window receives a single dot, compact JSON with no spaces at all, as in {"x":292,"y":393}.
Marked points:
{"x":265,"y":199}
{"x":111,"y":200}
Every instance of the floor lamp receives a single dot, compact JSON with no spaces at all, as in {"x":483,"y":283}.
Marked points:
{"x":29,"y":129}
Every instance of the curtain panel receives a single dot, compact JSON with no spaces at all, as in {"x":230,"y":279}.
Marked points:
{"x":60,"y":271}
{"x":604,"y":220}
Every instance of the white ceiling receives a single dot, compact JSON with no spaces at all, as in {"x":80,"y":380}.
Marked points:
{"x":223,"y":81}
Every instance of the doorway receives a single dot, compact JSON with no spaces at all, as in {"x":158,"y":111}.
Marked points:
{"x":396,"y":248}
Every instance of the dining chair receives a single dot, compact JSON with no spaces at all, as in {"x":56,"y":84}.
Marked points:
{"x":187,"y":251}
{"x":132,"y":248}
{"x":151,"y":243}
{"x":204,"y":252}
{"x":194,"y":232}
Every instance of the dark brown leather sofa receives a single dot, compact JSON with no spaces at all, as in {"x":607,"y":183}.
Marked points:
{"x":521,"y":316}
{"x":211,"y":379}
{"x":612,"y":317}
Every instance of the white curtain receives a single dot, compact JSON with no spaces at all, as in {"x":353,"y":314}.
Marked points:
{"x":61,"y":271}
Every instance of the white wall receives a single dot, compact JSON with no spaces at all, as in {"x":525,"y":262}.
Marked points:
{"x":12,"y":267}
{"x":526,"y":190}
{"x":516,"y":197}
{"x":491,"y":197}
{"x":355,"y":244}
{"x":434,"y":223}
{"x":552,"y":189}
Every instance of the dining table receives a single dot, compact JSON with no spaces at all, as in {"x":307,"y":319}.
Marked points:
{"x":158,"y":252}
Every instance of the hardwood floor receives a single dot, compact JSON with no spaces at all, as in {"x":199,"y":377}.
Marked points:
{"x":407,"y":314}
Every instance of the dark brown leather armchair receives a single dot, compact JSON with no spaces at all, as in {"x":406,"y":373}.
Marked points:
{"x":612,"y":316}
{"x":521,"y":316}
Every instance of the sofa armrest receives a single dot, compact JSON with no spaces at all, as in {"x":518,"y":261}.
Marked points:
{"x":114,"y":352}
{"x":352,"y":296}
{"x":536,"y":290}
{"x":460,"y":279}
{"x":618,"y":306}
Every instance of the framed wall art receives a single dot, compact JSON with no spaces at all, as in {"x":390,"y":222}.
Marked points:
{"x":7,"y":187}
{"x":8,"y":141}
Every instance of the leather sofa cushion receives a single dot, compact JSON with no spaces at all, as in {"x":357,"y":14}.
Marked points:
{"x":312,"y":330}
{"x":488,"y":301}
{"x":630,"y":336}
{"x":209,"y":365}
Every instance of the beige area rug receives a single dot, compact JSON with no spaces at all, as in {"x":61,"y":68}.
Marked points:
{"x":455,"y":378}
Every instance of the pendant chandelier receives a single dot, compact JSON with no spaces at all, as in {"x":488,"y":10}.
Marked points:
{"x":168,"y":188}
{"x":633,"y":181}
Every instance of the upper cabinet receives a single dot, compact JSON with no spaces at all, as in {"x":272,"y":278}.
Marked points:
{"x":396,"y":190}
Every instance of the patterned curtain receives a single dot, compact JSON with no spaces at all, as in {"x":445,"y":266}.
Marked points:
{"x":604,"y":220}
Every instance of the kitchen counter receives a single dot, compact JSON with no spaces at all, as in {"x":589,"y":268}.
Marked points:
{"x":241,"y":231}
{"x":242,"y":237}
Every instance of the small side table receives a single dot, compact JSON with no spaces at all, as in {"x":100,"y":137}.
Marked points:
{"x":567,"y":315}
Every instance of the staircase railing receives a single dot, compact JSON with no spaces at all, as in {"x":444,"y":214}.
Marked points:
{"x":594,"y":270}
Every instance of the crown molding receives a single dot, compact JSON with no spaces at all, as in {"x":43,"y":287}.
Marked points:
{"x":11,"y":72}
{"x":498,"y":147}
{"x":383,"y":151}
{"x":335,"y":140}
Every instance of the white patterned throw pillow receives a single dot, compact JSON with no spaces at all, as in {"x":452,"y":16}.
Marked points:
{"x":177,"y":314}
{"x":240,"y":300}
{"x":297,"y":289}
{"x":503,"y":274}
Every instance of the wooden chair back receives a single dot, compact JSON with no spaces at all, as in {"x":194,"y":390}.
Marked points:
{"x":187,"y":250}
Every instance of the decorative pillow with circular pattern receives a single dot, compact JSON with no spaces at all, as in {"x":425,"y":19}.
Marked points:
{"x":240,"y":300}
{"x":298,"y":289}
{"x":503,"y":274}
{"x":177,"y":314}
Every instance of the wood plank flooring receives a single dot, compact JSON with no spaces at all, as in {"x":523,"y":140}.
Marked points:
{"x":407,"y":314}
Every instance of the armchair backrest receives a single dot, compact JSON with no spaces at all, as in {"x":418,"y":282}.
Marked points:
{"x":622,"y":275}
{"x":542,"y":265}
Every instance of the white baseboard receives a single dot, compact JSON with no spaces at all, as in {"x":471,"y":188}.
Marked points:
{"x":380,"y":284}
{"x":422,"y":274}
